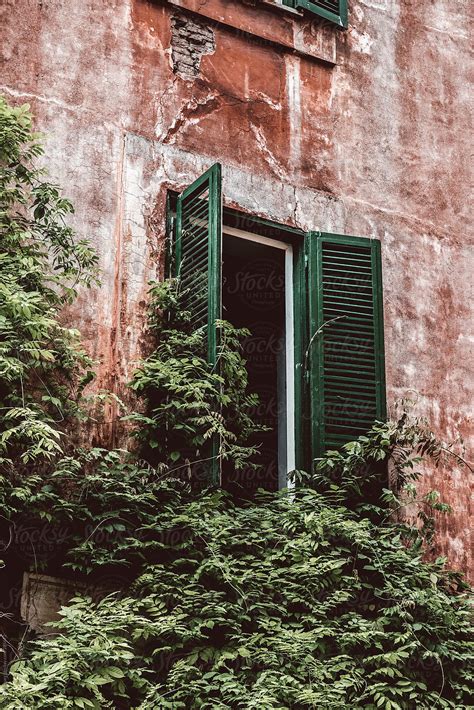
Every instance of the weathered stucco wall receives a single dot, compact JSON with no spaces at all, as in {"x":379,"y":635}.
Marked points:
{"x":360,"y":132}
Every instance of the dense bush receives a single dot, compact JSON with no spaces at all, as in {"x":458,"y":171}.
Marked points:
{"x":317,"y":596}
{"x":294,"y":601}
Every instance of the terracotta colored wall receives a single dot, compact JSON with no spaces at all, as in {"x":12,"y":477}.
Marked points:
{"x":360,"y":132}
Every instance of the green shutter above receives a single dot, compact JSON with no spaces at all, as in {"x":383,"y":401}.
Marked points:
{"x":332,"y":10}
{"x":198,"y":264}
{"x":346,"y":353}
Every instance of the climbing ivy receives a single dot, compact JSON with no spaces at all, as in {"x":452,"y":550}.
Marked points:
{"x":188,"y":401}
{"x":41,"y":266}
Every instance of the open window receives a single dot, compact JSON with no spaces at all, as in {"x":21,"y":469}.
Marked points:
{"x":313,"y":305}
{"x":257,"y":294}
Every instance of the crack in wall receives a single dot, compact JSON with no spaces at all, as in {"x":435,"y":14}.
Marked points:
{"x":273,"y":163}
{"x":191,"y":113}
{"x":194,"y":110}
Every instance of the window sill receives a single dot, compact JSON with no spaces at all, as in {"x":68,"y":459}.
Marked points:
{"x":271,"y":22}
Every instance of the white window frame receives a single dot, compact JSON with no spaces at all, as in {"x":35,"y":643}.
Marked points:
{"x":289,"y":345}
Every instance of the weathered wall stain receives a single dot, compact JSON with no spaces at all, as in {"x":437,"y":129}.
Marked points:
{"x":359,"y":132}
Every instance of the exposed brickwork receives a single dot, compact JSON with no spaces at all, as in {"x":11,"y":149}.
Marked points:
{"x":190,"y":41}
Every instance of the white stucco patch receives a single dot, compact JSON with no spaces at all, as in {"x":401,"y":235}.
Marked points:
{"x":361,"y":41}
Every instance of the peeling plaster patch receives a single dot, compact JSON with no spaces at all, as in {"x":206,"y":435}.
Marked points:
{"x":449,"y":32}
{"x":140,"y":177}
{"x":435,"y":412}
{"x":293,"y":88}
{"x":463,"y":338}
{"x":447,"y":19}
{"x":380,"y":5}
{"x":456,"y":545}
{"x":322,"y":40}
{"x":361,"y":42}
{"x":430,"y":241}
{"x":410,"y":370}
{"x":359,"y":13}
{"x":437,"y":247}
{"x":190,"y":41}
{"x":270,"y":159}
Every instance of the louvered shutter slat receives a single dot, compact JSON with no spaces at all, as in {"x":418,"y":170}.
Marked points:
{"x":197,"y":263}
{"x":346,"y":356}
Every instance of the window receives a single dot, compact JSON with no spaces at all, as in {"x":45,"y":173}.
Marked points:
{"x":332,"y":10}
{"x":317,"y":352}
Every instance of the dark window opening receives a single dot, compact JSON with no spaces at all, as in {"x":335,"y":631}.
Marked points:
{"x":253,"y":297}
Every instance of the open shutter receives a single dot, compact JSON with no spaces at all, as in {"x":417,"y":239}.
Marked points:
{"x":198,"y":252}
{"x":332,"y":10}
{"x":198,"y":263}
{"x":346,"y":353}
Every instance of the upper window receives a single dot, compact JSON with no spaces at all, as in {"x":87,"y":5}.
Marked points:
{"x":332,"y":10}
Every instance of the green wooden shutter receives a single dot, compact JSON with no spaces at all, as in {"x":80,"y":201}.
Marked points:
{"x":346,"y":352}
{"x":198,"y":264}
{"x":332,"y":10}
{"x":198,"y":252}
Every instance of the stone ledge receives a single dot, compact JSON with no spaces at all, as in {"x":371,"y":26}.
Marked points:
{"x":266,"y":21}
{"x":43,"y":596}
